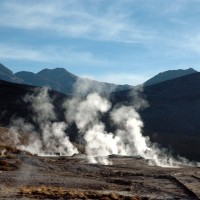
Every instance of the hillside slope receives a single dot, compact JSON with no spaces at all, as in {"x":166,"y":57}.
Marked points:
{"x":174,"y":106}
{"x":173,"y":116}
{"x":172,"y":119}
{"x":63,"y":81}
{"x":12,"y":104}
{"x":7,"y":75}
{"x":34,"y":79}
{"x":168,"y":75}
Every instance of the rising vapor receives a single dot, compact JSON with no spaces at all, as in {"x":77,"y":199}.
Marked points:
{"x":86,"y":113}
{"x":126,"y":140}
{"x":51,"y":136}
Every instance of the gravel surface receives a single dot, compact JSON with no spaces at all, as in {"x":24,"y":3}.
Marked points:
{"x":128,"y":177}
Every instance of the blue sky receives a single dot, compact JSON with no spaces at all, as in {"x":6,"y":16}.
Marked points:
{"x":119,"y":41}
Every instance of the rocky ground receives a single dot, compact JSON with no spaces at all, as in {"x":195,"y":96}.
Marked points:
{"x":25,"y":176}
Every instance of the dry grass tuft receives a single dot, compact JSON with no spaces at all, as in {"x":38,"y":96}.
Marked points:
{"x":59,"y":192}
{"x":9,"y":149}
{"x":9,"y":159}
{"x":9,"y":165}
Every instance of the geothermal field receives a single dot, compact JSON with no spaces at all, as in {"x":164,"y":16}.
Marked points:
{"x":40,"y":161}
{"x":100,"y":99}
{"x":26,"y":176}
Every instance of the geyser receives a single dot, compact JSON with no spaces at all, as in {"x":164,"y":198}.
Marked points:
{"x":51,"y":136}
{"x":86,"y":113}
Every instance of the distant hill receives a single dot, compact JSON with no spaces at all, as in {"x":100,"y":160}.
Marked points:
{"x":171,"y":120}
{"x":64,"y":79}
{"x":36,"y":80}
{"x":173,"y":116}
{"x":12,"y":104}
{"x":61,"y":80}
{"x":174,"y":105}
{"x":7,"y":75}
{"x":168,"y":75}
{"x":69,"y":83}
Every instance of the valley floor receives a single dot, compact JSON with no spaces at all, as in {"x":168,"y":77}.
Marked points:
{"x":25,"y":176}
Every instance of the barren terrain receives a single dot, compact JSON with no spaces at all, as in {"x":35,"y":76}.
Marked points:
{"x":25,"y":176}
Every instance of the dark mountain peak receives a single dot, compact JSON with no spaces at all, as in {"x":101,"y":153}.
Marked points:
{"x":5,"y":70}
{"x":64,"y":78}
{"x":191,"y":70}
{"x":34,"y":79}
{"x":58,"y":70}
{"x":23,"y":72}
{"x":168,"y":75}
{"x":7,"y":75}
{"x":54,"y":73}
{"x":179,"y":71}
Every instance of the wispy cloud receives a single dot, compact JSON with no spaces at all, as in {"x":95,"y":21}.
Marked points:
{"x":102,"y":35}
{"x":116,"y":22}
{"x":15,"y":52}
{"x":74,"y":19}
{"x":51,"y":54}
{"x":192,"y":42}
{"x":71,"y":58}
{"x":120,"y":78}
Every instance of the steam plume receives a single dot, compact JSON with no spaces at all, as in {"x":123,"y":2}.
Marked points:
{"x":127,"y":139}
{"x":86,"y":115}
{"x":52,"y":137}
{"x":99,"y":144}
{"x":84,"y":87}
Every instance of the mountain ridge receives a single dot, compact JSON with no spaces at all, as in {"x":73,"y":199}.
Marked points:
{"x":7,"y":75}
{"x":61,"y":80}
{"x":169,"y":75}
{"x":36,"y":80}
{"x":172,"y":118}
{"x":64,"y":81}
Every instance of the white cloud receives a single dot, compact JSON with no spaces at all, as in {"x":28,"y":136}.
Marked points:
{"x":192,"y":43}
{"x":120,"y":78}
{"x":73,"y":19}
{"x":85,"y":19}
{"x":15,"y":52}
{"x":124,"y":21}
{"x":53,"y":54}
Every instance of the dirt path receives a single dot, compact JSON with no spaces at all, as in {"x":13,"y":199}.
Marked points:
{"x":191,"y":183}
{"x":128,"y":177}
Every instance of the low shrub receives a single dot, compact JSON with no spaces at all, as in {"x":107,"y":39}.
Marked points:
{"x":59,"y":192}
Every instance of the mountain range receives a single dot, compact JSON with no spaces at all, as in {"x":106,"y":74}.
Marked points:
{"x":7,"y":75}
{"x":173,"y":116}
{"x":59,"y":79}
{"x":171,"y":120}
{"x":168,"y":75}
